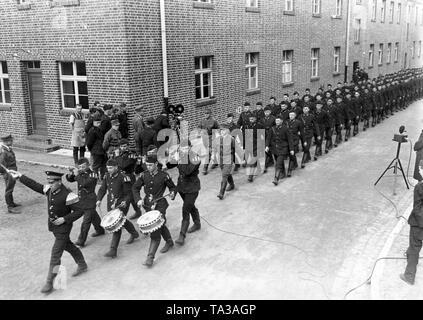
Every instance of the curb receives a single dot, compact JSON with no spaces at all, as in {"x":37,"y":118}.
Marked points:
{"x":44,"y":164}
{"x":378,"y":270}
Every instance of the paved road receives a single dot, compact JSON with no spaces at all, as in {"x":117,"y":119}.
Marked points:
{"x":319,"y":231}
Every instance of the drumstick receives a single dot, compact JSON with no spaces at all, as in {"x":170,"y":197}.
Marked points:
{"x":5,"y":170}
{"x":154,"y":201}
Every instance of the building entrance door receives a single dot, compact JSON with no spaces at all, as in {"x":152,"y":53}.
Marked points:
{"x":36,"y":91}
{"x":356,"y":65}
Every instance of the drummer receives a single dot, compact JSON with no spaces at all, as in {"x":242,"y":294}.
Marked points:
{"x":87,"y":181}
{"x":118,"y":188}
{"x":131,"y":165}
{"x":155,"y":181}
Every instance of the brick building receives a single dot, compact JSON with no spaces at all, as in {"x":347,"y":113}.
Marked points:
{"x":220,"y":53}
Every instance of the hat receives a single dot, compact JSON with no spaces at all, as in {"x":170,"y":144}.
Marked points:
{"x":107,"y":107}
{"x":82,"y":161}
{"x":272,"y":97}
{"x":54,"y":175}
{"x":230,"y":115}
{"x":123,"y":141}
{"x":97,"y":117}
{"x":164,"y":111}
{"x":150,"y":121}
{"x":151,"y":149}
{"x":259,"y":103}
{"x":138,"y":108}
{"x":307,"y":89}
{"x":114,"y":122}
{"x":267,"y":108}
{"x":252,"y":115}
{"x":246,"y":104}
{"x":208,"y":111}
{"x":111,"y":163}
{"x":151,"y":158}
{"x":279,"y":117}
{"x":7,"y":138}
{"x":296,"y":92}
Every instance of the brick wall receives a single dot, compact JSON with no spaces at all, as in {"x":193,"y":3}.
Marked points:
{"x":120,"y":41}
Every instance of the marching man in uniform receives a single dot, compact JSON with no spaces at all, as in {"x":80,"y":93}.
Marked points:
{"x":118,"y":188}
{"x":64,"y":208}
{"x":8,"y":161}
{"x":87,"y":181}
{"x":155,"y":181}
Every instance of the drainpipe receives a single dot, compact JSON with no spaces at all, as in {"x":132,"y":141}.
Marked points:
{"x":347,"y":41}
{"x":164,"y":54}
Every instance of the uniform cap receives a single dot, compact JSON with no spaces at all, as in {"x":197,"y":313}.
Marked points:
{"x":151,"y":158}
{"x":111,"y":163}
{"x":6,"y":138}
{"x":54,"y":175}
{"x":114,"y":122}
{"x":230,"y":115}
{"x":123,"y":141}
{"x":149,"y":121}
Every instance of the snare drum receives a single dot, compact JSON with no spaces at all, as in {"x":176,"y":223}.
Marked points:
{"x":150,"y":221}
{"x":113,"y":220}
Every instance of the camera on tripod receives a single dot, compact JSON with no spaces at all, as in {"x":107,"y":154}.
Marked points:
{"x":400,"y":138}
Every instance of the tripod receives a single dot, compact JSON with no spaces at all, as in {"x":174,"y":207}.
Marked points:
{"x":395,"y":164}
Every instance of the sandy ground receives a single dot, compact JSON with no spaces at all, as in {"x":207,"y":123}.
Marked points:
{"x":315,"y":236}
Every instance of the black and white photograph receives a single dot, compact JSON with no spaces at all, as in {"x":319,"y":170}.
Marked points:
{"x":219,"y":152}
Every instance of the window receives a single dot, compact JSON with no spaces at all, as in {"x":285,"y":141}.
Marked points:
{"x":203,"y":77}
{"x":374,"y":10}
{"x":391,"y":12}
{"x":357,"y":28}
{"x":287,"y":66}
{"x":4,"y":83}
{"x":371,"y":54}
{"x":251,"y":70}
{"x":33,"y":64}
{"x":315,"y":7}
{"x":399,"y":13}
{"x":289,"y":5}
{"x":419,"y":52}
{"x":396,"y":53}
{"x":315,"y":62}
{"x":388,"y":53}
{"x":252,"y":3}
{"x":413,"y":49}
{"x":73,"y":84}
{"x":336,"y":56}
{"x":382,"y":11}
{"x":338,"y":8}
{"x":380,"y":60}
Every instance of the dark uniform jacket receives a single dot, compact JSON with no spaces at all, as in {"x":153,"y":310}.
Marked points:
{"x":87,"y":181}
{"x":95,"y":140}
{"x":310,"y":125}
{"x":322,"y":119}
{"x":8,"y":158}
{"x":268,"y":122}
{"x":154,"y":188}
{"x":339,"y":113}
{"x":60,"y":203}
{"x":416,"y":216}
{"x":279,"y":140}
{"x":161,"y":122}
{"x":296,"y":129}
{"x":118,"y":188}
{"x":331,"y":111}
{"x":284,"y":113}
{"x":259,"y":114}
{"x":244,"y":119}
{"x":274,"y":108}
{"x":188,"y":181}
{"x":144,"y":138}
{"x":105,"y":124}
{"x":123,"y":124}
{"x":127,"y":163}
{"x":349,"y":113}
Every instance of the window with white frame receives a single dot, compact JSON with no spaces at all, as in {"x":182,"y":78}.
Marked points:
{"x":315,"y":9}
{"x":315,"y":62}
{"x":23,"y":1}
{"x":289,"y":5}
{"x":399,"y":13}
{"x":383,"y":11}
{"x":252,"y":3}
{"x":4,"y":83}
{"x":413,"y":49}
{"x":380,"y":60}
{"x":374,"y":8}
{"x":388,"y":53}
{"x":251,"y":70}
{"x":371,"y":54}
{"x":419,"y":52}
{"x":338,"y":8}
{"x":357,"y":27}
{"x":203,"y":77}
{"x":73,"y":84}
{"x":336,"y":59}
{"x":287,"y":56}
{"x":396,"y":51}
{"x":206,"y":1}
{"x":391,"y":12}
